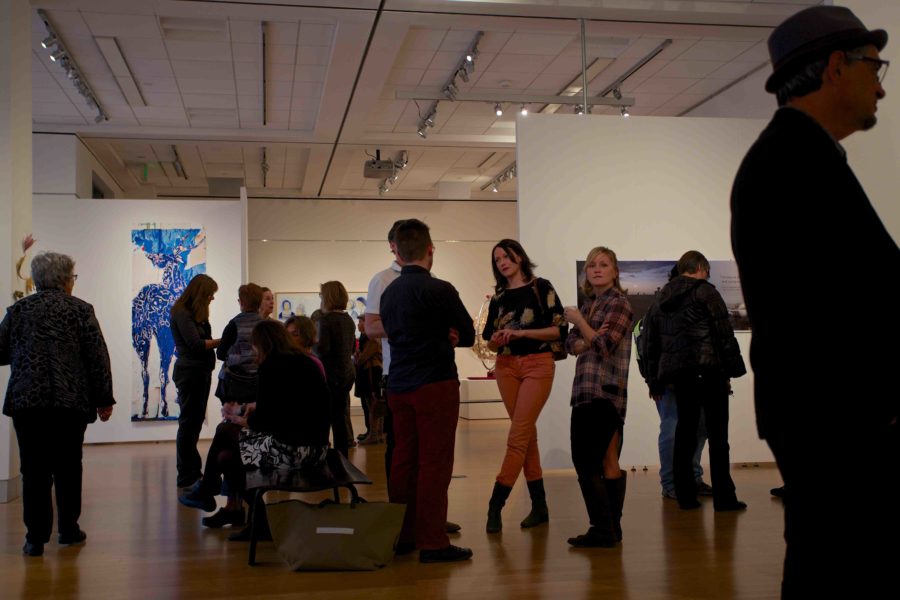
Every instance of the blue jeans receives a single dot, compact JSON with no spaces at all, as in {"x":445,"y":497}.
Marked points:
{"x":668,"y":419}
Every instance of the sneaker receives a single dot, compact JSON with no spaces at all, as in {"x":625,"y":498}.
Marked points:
{"x":452,"y":527}
{"x":669,"y":495}
{"x":449,"y":554}
{"x":704,"y":489}
{"x":196,"y":499}
{"x":777,"y":492}
{"x":362,"y":436}
{"x":234,"y":517}
{"x":70,"y":539}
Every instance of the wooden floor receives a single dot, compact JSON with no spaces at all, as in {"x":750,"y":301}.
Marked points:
{"x":143,"y":544}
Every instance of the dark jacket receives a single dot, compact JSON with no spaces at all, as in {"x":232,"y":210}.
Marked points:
{"x":688,"y":332}
{"x":293,"y":403}
{"x":190,"y":341}
{"x":58,"y":356}
{"x":418,"y":311}
{"x":815,"y":264}
{"x":337,"y":342}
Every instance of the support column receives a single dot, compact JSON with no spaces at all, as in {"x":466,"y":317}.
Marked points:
{"x":15,"y":190}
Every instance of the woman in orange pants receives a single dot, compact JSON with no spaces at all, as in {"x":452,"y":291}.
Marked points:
{"x":525,"y":322}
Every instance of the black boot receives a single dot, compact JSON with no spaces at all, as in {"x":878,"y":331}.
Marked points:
{"x":615,"y":489}
{"x":596,"y":500}
{"x":496,"y":504}
{"x":539,"y":513}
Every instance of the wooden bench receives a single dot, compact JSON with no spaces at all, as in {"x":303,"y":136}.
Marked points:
{"x":336,"y":473}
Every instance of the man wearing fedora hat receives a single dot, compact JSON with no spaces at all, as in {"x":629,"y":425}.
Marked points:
{"x":828,"y":405}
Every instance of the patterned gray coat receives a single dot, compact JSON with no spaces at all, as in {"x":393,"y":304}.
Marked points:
{"x":58,"y":356}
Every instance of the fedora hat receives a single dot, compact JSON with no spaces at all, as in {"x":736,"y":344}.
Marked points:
{"x":812,"y":33}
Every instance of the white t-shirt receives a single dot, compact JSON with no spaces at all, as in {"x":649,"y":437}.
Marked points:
{"x":379,"y":282}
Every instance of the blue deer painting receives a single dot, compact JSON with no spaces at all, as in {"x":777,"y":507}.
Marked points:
{"x":167,"y":250}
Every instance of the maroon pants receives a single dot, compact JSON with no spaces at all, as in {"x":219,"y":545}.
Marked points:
{"x":425,"y":432}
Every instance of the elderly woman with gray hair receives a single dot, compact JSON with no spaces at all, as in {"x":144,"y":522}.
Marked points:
{"x":60,"y":381}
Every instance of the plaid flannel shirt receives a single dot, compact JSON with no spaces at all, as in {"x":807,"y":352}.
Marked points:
{"x":602,"y":370}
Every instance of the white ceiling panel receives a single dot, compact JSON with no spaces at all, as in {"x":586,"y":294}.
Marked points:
{"x":162,"y":100}
{"x":203,"y":69}
{"x":209,"y":101}
{"x":243,"y":31}
{"x":537,"y":43}
{"x":716,"y":50}
{"x":692,"y":69}
{"x":247,"y":52}
{"x":310,"y":74}
{"x":663,"y":85}
{"x":316,"y":34}
{"x":521,"y":63}
{"x":425,"y":39}
{"x":281,"y":54}
{"x":248,"y":70}
{"x":281,"y":33}
{"x":280,"y":73}
{"x":125,"y":25}
{"x":207,"y":86}
{"x":142,"y":48}
{"x":313,"y":55}
{"x":160,"y":85}
{"x":207,"y":51}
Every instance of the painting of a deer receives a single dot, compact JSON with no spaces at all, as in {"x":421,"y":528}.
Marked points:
{"x":167,"y":250}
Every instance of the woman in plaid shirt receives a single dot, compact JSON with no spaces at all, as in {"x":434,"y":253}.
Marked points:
{"x":601,"y":339}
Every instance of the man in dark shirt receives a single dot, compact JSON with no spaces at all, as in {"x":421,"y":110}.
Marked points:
{"x":424,"y":320}
{"x":825,"y":389}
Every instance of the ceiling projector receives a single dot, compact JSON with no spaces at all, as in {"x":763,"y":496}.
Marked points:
{"x":377,"y":168}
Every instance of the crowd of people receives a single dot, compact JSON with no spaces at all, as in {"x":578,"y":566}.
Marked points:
{"x":283,"y":387}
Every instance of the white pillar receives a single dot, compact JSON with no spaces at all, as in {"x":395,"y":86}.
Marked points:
{"x":15,"y":189}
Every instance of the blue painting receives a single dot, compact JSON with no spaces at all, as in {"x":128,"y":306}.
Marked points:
{"x":164,"y":260}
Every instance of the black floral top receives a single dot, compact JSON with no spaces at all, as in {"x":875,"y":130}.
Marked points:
{"x":532,"y":306}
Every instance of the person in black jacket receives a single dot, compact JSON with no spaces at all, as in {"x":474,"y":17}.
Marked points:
{"x":59,"y":382}
{"x":335,"y":347}
{"x":287,"y":426}
{"x":691,"y":345}
{"x":824,"y":366}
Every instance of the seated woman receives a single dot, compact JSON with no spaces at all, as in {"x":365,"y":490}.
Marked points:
{"x":303,"y":333}
{"x":286,"y":428}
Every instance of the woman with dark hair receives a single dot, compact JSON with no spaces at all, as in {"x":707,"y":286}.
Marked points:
{"x":337,"y":341}
{"x":286,"y":428}
{"x":192,"y":375}
{"x":303,"y":332}
{"x":601,"y":339}
{"x":60,"y":380}
{"x":525,"y":320}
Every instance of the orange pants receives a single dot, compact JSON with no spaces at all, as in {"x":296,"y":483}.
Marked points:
{"x":524,"y":383}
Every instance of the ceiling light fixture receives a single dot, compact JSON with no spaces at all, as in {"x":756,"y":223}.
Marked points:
{"x":524,"y":111}
{"x":423,"y":133}
{"x":625,"y":112}
{"x":176,"y":164}
{"x":62,"y":57}
{"x":498,"y":110}
{"x":506,"y":174}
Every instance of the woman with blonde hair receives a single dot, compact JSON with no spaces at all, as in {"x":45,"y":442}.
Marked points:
{"x":525,"y":320}
{"x":601,"y":339}
{"x":192,"y":375}
{"x":337,"y":341}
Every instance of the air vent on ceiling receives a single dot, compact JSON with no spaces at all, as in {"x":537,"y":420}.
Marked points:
{"x":195,"y":30}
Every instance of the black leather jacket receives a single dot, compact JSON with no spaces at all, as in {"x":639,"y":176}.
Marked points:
{"x":687,"y":331}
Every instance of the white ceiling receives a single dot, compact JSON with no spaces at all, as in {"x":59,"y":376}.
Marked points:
{"x":189,"y":75}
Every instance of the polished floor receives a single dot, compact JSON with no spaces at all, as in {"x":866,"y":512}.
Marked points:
{"x":143,"y":544}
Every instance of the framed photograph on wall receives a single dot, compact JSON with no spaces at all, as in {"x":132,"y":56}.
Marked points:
{"x":288,"y":304}
{"x":643,"y":279}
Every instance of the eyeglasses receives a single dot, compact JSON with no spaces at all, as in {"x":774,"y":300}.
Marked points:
{"x":881,"y":66}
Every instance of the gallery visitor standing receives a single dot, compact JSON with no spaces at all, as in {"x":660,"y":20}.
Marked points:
{"x":335,"y":347}
{"x":601,"y":339}
{"x":525,"y":320}
{"x":192,"y":375}
{"x":60,"y":381}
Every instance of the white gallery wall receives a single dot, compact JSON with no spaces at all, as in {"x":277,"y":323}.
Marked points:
{"x":313,"y":241}
{"x":650,"y":188}
{"x":97,"y":234}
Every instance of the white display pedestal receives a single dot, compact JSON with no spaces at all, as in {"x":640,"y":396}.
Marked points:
{"x":480,"y":399}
